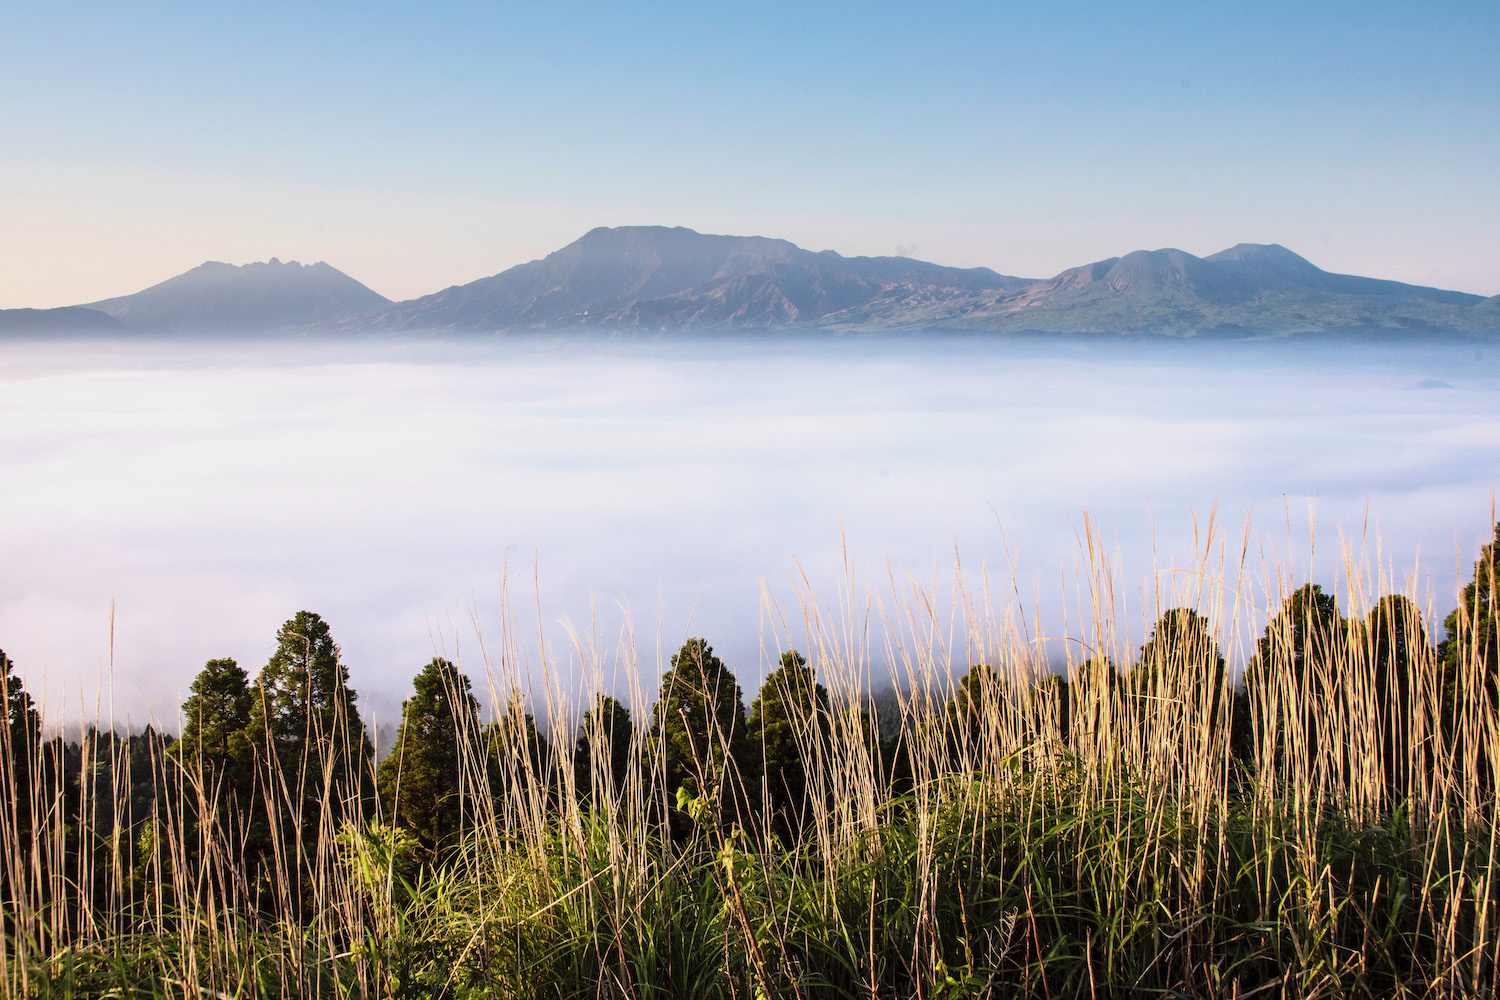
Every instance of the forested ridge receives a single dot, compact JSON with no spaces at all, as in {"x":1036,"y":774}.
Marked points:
{"x":1325,"y":825}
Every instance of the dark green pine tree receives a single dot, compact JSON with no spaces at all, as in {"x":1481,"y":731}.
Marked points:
{"x":519,"y":757}
{"x":1469,"y":665}
{"x":1176,"y":690}
{"x":1469,"y":655}
{"x":421,"y":781}
{"x":698,"y":727}
{"x":601,"y":757}
{"x":303,"y":717}
{"x":1093,"y":698}
{"x":1180,"y":653}
{"x":216,"y":755}
{"x":788,"y":722}
{"x":1302,"y":647}
{"x":19,"y":754}
{"x":1304,"y":637}
{"x":1181,"y":669}
{"x":979,"y":694}
{"x":214,"y":719}
{"x":1396,"y":642}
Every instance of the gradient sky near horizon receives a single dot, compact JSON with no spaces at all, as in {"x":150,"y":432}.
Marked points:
{"x":418,"y":146}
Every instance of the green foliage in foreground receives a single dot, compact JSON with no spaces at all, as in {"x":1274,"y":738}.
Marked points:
{"x":1047,"y":893}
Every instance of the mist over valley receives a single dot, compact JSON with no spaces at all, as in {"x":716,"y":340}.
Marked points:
{"x":680,"y":485}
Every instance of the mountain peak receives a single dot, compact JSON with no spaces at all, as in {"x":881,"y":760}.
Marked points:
{"x":1256,"y":251}
{"x":1270,"y":259}
{"x":673,"y":243}
{"x":661,"y":277}
{"x":261,"y":295}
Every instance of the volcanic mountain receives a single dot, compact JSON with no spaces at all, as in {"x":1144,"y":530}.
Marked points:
{"x":1247,"y":287}
{"x":224,"y":298}
{"x":659,"y":278}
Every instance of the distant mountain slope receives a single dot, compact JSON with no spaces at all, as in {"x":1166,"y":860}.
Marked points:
{"x":215,"y":297}
{"x":675,"y":278}
{"x":1249,"y":286}
{"x":68,"y":319}
{"x":658,"y":278}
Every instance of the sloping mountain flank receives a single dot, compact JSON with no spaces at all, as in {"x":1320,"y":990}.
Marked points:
{"x":68,"y":319}
{"x":654,"y":277}
{"x":270,"y":295}
{"x":1249,"y":286}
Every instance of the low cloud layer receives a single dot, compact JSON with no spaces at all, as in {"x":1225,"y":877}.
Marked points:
{"x":211,"y":491}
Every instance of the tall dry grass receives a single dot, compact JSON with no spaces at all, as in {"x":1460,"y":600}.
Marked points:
{"x":1038,"y":822}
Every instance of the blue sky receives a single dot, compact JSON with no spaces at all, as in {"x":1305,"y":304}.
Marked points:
{"x":420,"y":146}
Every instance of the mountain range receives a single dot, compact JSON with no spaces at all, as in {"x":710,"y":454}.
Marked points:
{"x":655,"y":278}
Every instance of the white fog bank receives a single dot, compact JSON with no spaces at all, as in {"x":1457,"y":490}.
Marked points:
{"x":209,"y":491}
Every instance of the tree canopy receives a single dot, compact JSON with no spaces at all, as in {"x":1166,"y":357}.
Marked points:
{"x":1306,"y":631}
{"x":303,"y":716}
{"x":421,"y":781}
{"x":789,"y":722}
{"x":601,"y":757}
{"x":22,"y":734}
{"x":216,"y":712}
{"x":1472,"y":643}
{"x":699,"y":724}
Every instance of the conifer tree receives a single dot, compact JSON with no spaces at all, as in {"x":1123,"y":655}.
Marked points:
{"x":1176,"y":691}
{"x":520,"y":761}
{"x":1179,"y":669}
{"x":977,"y":695}
{"x":215,"y":754}
{"x":1304,"y":636}
{"x":1469,"y":667}
{"x":1396,"y":642}
{"x":303,"y":717}
{"x":789,"y":721}
{"x":1471,"y":647}
{"x":20,"y":743}
{"x":602,"y":754}
{"x":1181,"y":648}
{"x":698,"y":727}
{"x":421,"y":781}
{"x":215,"y":716}
{"x":1304,"y":645}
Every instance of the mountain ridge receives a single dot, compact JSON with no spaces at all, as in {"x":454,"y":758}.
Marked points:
{"x":661,"y":278}
{"x":1248,"y":286}
{"x":655,"y":276}
{"x":64,"y":319}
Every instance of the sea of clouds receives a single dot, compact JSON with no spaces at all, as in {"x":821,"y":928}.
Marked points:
{"x":163,"y":502}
